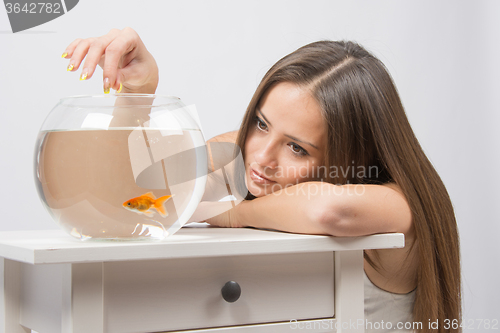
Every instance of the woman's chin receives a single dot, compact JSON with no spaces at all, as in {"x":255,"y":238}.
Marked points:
{"x":256,"y":192}
{"x":261,"y":190}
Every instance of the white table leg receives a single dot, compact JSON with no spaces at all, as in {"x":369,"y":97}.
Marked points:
{"x":10,"y":297}
{"x":349,"y":291}
{"x":83,"y":308}
{"x":60,"y":298}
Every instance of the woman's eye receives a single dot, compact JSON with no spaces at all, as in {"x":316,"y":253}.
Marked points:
{"x":298,"y":149}
{"x":260,"y":124}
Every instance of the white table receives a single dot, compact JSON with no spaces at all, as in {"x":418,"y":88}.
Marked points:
{"x":53,"y":283}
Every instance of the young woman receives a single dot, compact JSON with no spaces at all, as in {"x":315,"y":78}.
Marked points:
{"x":328,"y":149}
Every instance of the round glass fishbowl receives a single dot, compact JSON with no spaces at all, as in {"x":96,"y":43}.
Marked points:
{"x":124,"y":166}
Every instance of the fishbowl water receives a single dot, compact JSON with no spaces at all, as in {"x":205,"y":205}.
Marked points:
{"x":124,"y":166}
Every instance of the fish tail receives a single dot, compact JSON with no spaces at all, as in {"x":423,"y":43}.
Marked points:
{"x":159,"y":205}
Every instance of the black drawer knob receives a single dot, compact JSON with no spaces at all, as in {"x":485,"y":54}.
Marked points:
{"x":231,"y":291}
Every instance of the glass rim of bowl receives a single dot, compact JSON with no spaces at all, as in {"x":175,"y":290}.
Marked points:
{"x":174,"y":99}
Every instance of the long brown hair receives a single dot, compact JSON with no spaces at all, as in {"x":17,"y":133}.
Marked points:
{"x":367,"y":126}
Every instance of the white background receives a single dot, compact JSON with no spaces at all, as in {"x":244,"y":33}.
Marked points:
{"x":444,"y":57}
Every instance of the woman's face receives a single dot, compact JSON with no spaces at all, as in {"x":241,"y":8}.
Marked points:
{"x":286,"y":141}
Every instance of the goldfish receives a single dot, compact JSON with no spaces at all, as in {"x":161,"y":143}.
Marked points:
{"x":144,"y":203}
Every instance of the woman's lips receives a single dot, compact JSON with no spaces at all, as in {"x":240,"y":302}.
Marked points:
{"x":259,"y":179}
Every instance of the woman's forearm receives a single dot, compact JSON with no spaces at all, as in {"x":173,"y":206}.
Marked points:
{"x":323,"y":208}
{"x":295,"y":209}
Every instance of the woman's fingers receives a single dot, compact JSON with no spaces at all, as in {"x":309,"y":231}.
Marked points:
{"x":90,"y":49}
{"x":123,"y":57}
{"x":71,"y":47}
{"x":97,"y":49}
{"x":115,"y":52}
{"x":78,"y":53}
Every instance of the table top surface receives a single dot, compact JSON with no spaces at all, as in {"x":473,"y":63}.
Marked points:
{"x":193,"y":240}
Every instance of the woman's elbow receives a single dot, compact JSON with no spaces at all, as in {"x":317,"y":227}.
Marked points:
{"x":333,"y":221}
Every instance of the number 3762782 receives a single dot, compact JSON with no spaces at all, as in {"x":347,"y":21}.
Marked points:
{"x":33,"y":8}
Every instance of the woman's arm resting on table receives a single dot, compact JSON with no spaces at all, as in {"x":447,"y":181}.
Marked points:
{"x":348,"y":210}
{"x":323,"y":208}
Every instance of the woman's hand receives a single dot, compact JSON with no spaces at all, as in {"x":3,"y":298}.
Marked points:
{"x":228,"y":219}
{"x":127,"y":65}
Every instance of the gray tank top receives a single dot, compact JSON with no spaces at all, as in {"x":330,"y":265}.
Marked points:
{"x":386,"y":311}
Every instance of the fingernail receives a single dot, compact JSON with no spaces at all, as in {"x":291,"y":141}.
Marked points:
{"x":70,"y":67}
{"x":106,"y":86}
{"x":84,"y":74}
{"x":64,"y":55}
{"x":119,"y":89}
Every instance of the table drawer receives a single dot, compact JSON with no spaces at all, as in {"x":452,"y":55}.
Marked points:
{"x":171,"y":294}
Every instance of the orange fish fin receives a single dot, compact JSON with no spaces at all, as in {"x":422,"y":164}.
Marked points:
{"x":148,"y":213}
{"x":159,"y":205}
{"x":149,"y":195}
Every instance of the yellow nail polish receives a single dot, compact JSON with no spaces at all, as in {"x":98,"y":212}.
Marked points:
{"x":106,"y":86}
{"x":83,"y":76}
{"x":65,"y":54}
{"x":119,"y":89}
{"x":70,"y":67}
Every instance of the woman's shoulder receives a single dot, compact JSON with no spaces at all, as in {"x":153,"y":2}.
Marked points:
{"x":225,"y":137}
{"x":221,"y":149}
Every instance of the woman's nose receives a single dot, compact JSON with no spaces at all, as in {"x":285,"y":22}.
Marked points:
{"x":266,"y":157}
